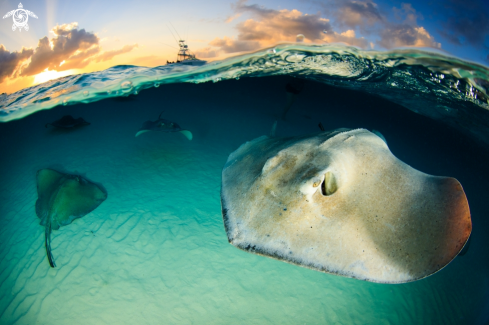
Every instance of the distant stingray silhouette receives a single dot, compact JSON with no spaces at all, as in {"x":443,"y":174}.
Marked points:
{"x":162,"y":125}
{"x":68,"y":122}
{"x":63,"y":198}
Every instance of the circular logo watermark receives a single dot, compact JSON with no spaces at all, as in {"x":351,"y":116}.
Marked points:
{"x":20,"y":17}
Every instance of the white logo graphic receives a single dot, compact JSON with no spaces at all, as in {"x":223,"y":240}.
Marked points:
{"x":20,"y":17}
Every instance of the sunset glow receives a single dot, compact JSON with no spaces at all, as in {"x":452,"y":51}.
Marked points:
{"x":72,"y":36}
{"x":47,"y":75}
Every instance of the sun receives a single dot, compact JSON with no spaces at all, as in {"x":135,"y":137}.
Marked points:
{"x":47,"y":75}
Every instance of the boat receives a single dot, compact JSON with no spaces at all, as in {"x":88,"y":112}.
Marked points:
{"x":185,"y":57}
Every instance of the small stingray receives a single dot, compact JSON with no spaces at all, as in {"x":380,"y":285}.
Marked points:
{"x":63,"y":198}
{"x":340,"y":202}
{"x":163,"y":125}
{"x":68,"y":122}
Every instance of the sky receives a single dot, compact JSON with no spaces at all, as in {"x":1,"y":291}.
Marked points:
{"x":70,"y":37}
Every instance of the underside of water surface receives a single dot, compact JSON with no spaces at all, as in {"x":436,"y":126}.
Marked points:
{"x":155,"y":251}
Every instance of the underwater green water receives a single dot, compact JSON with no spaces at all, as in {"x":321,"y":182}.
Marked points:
{"x":156,"y":251}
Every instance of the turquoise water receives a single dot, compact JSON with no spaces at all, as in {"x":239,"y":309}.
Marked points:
{"x":429,"y":83}
{"x":156,"y":251}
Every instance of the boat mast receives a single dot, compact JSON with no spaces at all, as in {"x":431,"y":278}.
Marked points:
{"x":184,"y":52}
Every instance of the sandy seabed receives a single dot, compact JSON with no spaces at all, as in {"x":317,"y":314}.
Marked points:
{"x":155,"y":252}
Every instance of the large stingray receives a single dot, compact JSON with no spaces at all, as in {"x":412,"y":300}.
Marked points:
{"x":68,"y":122}
{"x":63,"y":198}
{"x":163,"y":125}
{"x":340,"y":202}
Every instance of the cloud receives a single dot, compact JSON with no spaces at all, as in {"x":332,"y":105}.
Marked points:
{"x":366,"y":16}
{"x":358,"y":14}
{"x":108,"y":55}
{"x":471,"y":28}
{"x":79,"y":60}
{"x":280,"y":25}
{"x":405,"y":35}
{"x":464,"y":22}
{"x":347,"y":37}
{"x":68,"y":41}
{"x":207,"y":52}
{"x":70,"y":48}
{"x":231,"y":18}
{"x":408,"y":13}
{"x":407,"y":32}
{"x":10,"y":62}
{"x":229,"y":45}
{"x":268,"y":26}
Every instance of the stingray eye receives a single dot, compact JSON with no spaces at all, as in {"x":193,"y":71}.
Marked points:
{"x":316,"y":183}
{"x":329,"y":185}
{"x":162,"y":123}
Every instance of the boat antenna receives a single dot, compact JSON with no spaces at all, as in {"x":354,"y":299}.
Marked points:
{"x":175,"y":30}
{"x":172,"y":33}
{"x":173,"y":47}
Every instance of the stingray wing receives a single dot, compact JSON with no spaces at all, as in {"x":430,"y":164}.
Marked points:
{"x":141,"y":132}
{"x":64,"y":197}
{"x":341,"y":203}
{"x":8,"y":14}
{"x":146,"y":127}
{"x":187,"y":134}
{"x":81,"y":121}
{"x":48,"y":183}
{"x":75,"y":198}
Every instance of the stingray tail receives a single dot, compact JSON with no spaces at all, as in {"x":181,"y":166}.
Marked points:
{"x":47,"y":242}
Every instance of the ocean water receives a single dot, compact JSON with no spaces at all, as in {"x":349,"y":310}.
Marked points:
{"x":155,"y":252}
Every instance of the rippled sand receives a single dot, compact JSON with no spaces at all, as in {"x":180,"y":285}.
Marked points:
{"x":155,"y":252}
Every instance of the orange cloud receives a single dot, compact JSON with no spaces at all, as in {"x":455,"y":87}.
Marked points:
{"x":10,"y":62}
{"x":207,"y":52}
{"x":231,"y":18}
{"x":272,"y":26}
{"x":407,"y":33}
{"x":347,"y":37}
{"x":108,"y":55}
{"x":70,"y":49}
{"x":79,"y":60}
{"x":68,"y":41}
{"x":366,"y":16}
